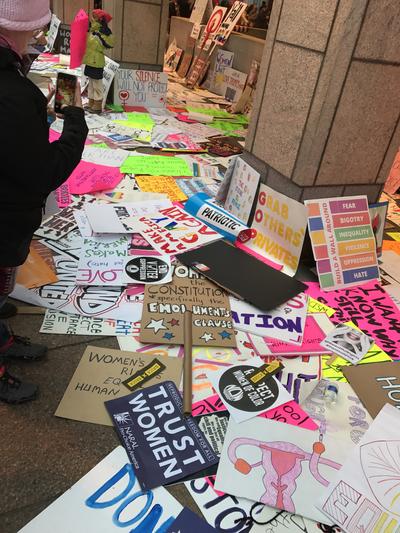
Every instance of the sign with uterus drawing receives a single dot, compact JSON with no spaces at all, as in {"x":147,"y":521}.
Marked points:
{"x":279,"y":465}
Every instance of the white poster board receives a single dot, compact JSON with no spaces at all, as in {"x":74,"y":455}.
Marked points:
{"x":146,"y":88}
{"x":107,"y":499}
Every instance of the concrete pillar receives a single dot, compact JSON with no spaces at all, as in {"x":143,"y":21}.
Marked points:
{"x":67,"y":9}
{"x":140,"y":30}
{"x":326,"y":115}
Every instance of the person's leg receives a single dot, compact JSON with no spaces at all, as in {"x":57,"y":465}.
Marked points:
{"x":98,"y":96}
{"x":90,"y":93}
{"x":12,"y":390}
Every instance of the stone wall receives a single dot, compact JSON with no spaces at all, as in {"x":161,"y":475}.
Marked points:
{"x":326,"y":116}
{"x":139,"y":28}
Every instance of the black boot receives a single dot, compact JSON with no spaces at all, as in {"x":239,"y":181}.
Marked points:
{"x":12,"y":390}
{"x":22,"y":348}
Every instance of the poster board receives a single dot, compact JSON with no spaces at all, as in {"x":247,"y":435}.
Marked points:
{"x":145,"y":88}
{"x":98,"y":378}
{"x":98,"y":502}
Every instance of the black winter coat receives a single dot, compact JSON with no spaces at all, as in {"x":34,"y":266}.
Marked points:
{"x":30,"y":166}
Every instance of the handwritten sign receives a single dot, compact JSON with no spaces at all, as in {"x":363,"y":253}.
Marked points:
{"x":369,"y":307}
{"x":280,"y":223}
{"x":100,"y":376}
{"x":146,"y":88}
{"x":156,"y":165}
{"x":88,"y":177}
{"x":162,"y":184}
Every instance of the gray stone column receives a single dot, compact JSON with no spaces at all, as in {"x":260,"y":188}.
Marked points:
{"x":326,"y":116}
{"x":139,"y":28}
{"x":140,"y":31}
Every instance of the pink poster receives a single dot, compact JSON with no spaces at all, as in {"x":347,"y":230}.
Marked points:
{"x":288,"y":413}
{"x":369,"y":307}
{"x":88,"y":177}
{"x":79,"y":30}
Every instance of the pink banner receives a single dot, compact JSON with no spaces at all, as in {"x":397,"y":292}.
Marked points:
{"x":288,"y":413}
{"x":79,"y":30}
{"x":369,"y":307}
{"x":88,"y":177}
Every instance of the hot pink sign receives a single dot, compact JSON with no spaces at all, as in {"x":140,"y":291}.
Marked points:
{"x":88,"y":177}
{"x":288,"y":413}
{"x":79,"y":30}
{"x":369,"y":307}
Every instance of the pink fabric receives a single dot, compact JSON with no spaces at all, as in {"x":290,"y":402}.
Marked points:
{"x":20,"y":15}
{"x":8,"y":43}
{"x":79,"y":29}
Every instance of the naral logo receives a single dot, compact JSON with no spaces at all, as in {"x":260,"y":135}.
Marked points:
{"x":233,"y":393}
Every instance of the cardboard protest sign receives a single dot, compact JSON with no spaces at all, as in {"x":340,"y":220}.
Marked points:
{"x":146,"y":88}
{"x":98,"y":502}
{"x":94,"y":301}
{"x":242,"y":190}
{"x":204,"y":208}
{"x":171,"y":230}
{"x":52,"y":33}
{"x":375,"y":384}
{"x":286,"y":322}
{"x":156,"y":165}
{"x":108,"y":218}
{"x":363,"y":496}
{"x":58,"y":225}
{"x":343,"y":241}
{"x":180,"y":450}
{"x":165,"y":305}
{"x":101,"y":260}
{"x":57,"y":322}
{"x":35,"y":272}
{"x":79,"y":32}
{"x":280,"y":223}
{"x":104,"y":156}
{"x":88,"y":177}
{"x":348,"y":342}
{"x":245,"y":399}
{"x":223,"y":60}
{"x":162,"y":184}
{"x":369,"y":307}
{"x":99,"y":376}
{"x":188,"y":521}
{"x":234,"y":83}
{"x":279,"y":465}
{"x":64,"y":33}
{"x":230,"y":22}
{"x":150,"y":270}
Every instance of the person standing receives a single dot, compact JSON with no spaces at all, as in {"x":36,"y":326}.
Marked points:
{"x":31,"y":167}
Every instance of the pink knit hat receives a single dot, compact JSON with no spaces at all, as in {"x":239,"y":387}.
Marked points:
{"x":24,"y":15}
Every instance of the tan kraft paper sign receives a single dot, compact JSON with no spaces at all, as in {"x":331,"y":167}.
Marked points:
{"x":98,"y":378}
